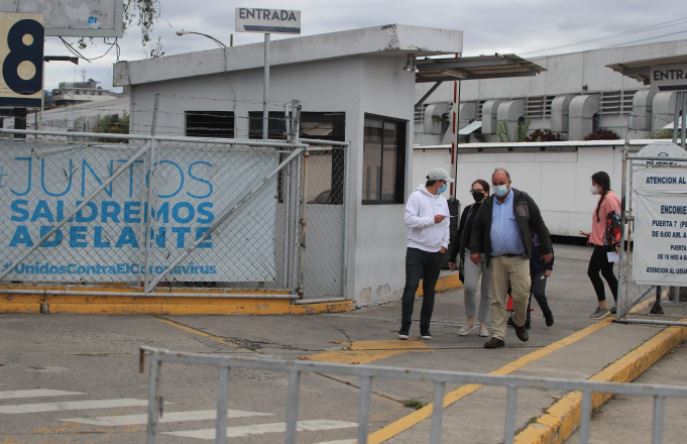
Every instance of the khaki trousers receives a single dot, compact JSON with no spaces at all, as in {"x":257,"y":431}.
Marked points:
{"x":505,"y":271}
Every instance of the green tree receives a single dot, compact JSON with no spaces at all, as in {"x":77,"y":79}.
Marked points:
{"x":143,"y":14}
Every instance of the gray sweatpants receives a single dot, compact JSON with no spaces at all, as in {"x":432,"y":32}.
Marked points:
{"x":472,"y":274}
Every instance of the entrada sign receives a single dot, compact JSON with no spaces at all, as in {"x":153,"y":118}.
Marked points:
{"x":282,"y":21}
{"x":669,"y":77}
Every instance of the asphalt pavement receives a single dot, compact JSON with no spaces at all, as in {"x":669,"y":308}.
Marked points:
{"x":75,"y":378}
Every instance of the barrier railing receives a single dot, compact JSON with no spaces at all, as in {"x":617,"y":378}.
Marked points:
{"x":367,"y":374}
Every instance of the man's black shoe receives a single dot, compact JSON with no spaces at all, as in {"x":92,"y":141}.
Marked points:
{"x":403,"y":334}
{"x":494,"y":343}
{"x":548,"y":317}
{"x":521,"y":333}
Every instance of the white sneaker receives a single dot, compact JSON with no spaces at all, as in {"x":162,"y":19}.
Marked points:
{"x":484,"y":331}
{"x":466,"y":329}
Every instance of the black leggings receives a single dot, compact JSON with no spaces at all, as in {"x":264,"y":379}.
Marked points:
{"x":599,"y":263}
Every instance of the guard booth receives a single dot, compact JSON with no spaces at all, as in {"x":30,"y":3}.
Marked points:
{"x":653,"y":261}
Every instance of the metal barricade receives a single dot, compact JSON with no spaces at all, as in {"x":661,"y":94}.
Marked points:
{"x":367,"y":374}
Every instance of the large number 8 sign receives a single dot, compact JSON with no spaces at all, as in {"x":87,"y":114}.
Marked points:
{"x":21,"y":58}
{"x":23,"y":66}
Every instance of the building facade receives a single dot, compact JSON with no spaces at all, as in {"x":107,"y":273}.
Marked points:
{"x":352,"y":86}
{"x":576,"y":97}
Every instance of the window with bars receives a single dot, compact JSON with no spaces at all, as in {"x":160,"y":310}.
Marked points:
{"x":538,"y":107}
{"x":616,"y":102}
{"x":419,"y":116}
{"x":210,"y":124}
{"x":479,"y":109}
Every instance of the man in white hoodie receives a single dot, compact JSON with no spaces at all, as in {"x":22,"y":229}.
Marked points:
{"x":427,"y":219}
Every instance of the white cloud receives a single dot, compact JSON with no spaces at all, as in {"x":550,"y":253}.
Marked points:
{"x":489,"y":25}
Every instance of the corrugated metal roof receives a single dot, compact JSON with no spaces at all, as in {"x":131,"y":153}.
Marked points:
{"x":640,"y":70}
{"x":473,"y":68}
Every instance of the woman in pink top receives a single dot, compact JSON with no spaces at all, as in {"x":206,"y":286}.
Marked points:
{"x":605,"y":237}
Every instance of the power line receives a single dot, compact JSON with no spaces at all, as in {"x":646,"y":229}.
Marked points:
{"x":615,"y":35}
{"x":646,"y":39}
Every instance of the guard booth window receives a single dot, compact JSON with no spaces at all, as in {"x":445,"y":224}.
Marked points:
{"x":326,"y":170}
{"x":210,"y":124}
{"x":383,"y":160}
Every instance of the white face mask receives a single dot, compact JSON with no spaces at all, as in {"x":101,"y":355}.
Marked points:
{"x":594,"y":190}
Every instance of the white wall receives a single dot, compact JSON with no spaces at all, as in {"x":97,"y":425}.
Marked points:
{"x":381,"y":235}
{"x":558,"y":179}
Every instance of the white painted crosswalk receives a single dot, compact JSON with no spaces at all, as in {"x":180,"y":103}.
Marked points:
{"x":138,"y":418}
{"x":261,"y":429}
{"x":16,"y":409}
{"x":35,"y":393}
{"x":168,"y":417}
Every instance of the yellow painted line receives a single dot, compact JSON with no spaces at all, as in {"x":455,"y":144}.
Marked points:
{"x":364,"y":352}
{"x":444,"y":283}
{"x":196,"y":332}
{"x":399,"y":426}
{"x":562,"y":419}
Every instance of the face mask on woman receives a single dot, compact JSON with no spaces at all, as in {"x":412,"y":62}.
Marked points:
{"x":477,"y":195}
{"x":594,"y":190}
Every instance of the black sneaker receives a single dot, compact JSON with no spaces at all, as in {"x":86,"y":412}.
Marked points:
{"x":521,"y":333}
{"x":548,"y":317}
{"x":494,"y":343}
{"x":426,"y":335}
{"x":403,"y":334}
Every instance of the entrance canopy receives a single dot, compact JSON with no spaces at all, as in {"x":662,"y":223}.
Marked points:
{"x":641,"y":70}
{"x":475,"y":68}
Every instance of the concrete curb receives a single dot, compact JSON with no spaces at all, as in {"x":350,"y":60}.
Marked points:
{"x":118,"y":299}
{"x":445,"y":283}
{"x":75,"y":299}
{"x":563,"y":417}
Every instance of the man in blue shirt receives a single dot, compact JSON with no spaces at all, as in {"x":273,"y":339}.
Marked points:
{"x":503,"y":231}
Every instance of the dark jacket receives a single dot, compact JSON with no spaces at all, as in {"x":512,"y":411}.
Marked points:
{"x":537,"y":264}
{"x":467,"y":218}
{"x":527,"y":216}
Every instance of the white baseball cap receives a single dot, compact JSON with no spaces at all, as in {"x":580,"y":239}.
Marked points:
{"x":438,"y":174}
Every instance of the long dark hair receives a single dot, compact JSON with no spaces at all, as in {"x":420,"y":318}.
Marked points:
{"x":484,"y":183}
{"x":602,"y":179}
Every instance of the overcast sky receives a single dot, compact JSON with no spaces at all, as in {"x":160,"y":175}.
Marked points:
{"x":522,"y":26}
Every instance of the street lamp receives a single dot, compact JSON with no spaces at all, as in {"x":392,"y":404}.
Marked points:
{"x":182,"y":32}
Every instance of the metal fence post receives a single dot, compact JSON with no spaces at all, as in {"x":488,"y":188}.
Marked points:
{"x":292,"y":406}
{"x":222,"y":401}
{"x":364,"y":409}
{"x":437,"y":411}
{"x":585,"y":416}
{"x":153,"y":397}
{"x":148,"y":216}
{"x":511,"y":403}
{"x":302,"y":223}
{"x":659,"y":407}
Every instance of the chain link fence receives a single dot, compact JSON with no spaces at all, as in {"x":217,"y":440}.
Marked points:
{"x":143,"y":210}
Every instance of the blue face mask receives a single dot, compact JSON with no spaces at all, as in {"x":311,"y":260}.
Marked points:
{"x":501,"y":190}
{"x":443,"y":188}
